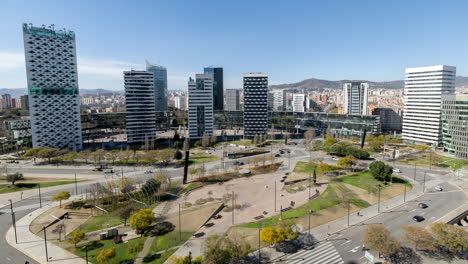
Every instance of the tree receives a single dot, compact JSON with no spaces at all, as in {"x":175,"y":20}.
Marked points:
{"x":166,"y":155}
{"x":60,"y":196}
{"x":329,"y":141}
{"x":346,"y":162}
{"x":106,"y":255}
{"x":178,"y":155}
{"x":224,"y":250}
{"x":271,"y":235}
{"x":126,"y":185}
{"x":451,"y":237}
{"x":124,"y":213}
{"x":422,"y":147}
{"x":48,"y":153}
{"x":186,"y":260}
{"x":76,"y":236}
{"x":419,"y":237}
{"x":71,"y":156}
{"x":379,"y":238}
{"x":376,"y":142}
{"x":381,"y":171}
{"x":309,"y":136}
{"x":314,"y":177}
{"x":34,"y":152}
{"x":205,"y":140}
{"x":142,"y":219}
{"x":134,"y":249}
{"x":99,"y":155}
{"x":85,"y":154}
{"x":113,"y":155}
{"x":13,"y":178}
{"x":151,"y":186}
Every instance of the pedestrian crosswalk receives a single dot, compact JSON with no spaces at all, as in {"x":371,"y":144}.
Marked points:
{"x":323,"y":253}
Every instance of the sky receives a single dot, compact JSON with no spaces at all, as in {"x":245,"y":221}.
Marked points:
{"x":289,"y":40}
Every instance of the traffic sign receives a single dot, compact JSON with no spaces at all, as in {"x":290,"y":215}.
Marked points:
{"x":369,"y":256}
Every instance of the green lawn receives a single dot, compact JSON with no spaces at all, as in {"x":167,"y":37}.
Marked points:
{"x":169,"y":240}
{"x":192,"y":186}
{"x":200,"y":158}
{"x":99,"y":222}
{"x":434,"y":160}
{"x":7,"y":188}
{"x":366,"y":181}
{"x":164,"y":256}
{"x":306,"y":167}
{"x":121,"y":253}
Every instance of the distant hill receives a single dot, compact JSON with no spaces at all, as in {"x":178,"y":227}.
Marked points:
{"x":313,"y":84}
{"x":17,"y":92}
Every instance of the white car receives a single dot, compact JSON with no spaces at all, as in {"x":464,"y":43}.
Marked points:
{"x":438,"y":188}
{"x":397,"y":170}
{"x":335,"y":159}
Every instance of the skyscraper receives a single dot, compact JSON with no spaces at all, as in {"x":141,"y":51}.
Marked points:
{"x":232,"y":100}
{"x":218,"y":86}
{"x":455,"y":124}
{"x":6,"y":101}
{"x":278,"y":100}
{"x":200,"y":106}
{"x":24,"y":102}
{"x":424,"y":87}
{"x":301,"y":103}
{"x":355,"y":98}
{"x":52,"y":87}
{"x":255,"y":104}
{"x":140,"y":116}
{"x":160,"y":85}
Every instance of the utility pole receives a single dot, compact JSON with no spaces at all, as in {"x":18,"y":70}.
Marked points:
{"x":404,"y":194}
{"x":45,"y":243}
{"x":424,"y":182}
{"x":310,"y":213}
{"x":232,"y":207}
{"x":13,"y":220}
{"x":414,"y":171}
{"x":275,"y":196}
{"x":308,"y":198}
{"x":378,"y":206}
{"x":430,"y":161}
{"x":40,"y":198}
{"x":180,"y":226}
{"x":86,"y":252}
{"x":76,"y":186}
{"x":348,"y":211}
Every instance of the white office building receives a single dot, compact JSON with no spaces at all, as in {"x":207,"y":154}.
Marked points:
{"x":200,"y":106}
{"x":52,"y":87}
{"x":424,"y":87}
{"x":277,"y":100}
{"x":232,"y":100}
{"x":179,"y":102}
{"x":255,"y":104}
{"x":355,"y":96}
{"x":301,"y":103}
{"x":140,"y":115}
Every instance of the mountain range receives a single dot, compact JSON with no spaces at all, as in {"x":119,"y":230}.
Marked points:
{"x":313,"y":84}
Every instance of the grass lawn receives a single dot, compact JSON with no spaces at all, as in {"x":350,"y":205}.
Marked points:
{"x":169,"y":240}
{"x":192,"y":186}
{"x":7,"y":188}
{"x":327,"y":199}
{"x":426,"y":160}
{"x":305,"y":167}
{"x":99,"y":222}
{"x":121,"y":253}
{"x":164,"y":256}
{"x":201,"y":158}
{"x":366,"y":181}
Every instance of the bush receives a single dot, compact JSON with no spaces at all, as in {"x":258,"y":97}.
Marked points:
{"x":344,"y":150}
{"x":129,"y":261}
{"x":162,"y":228}
{"x":201,"y":201}
{"x":288,"y":247}
{"x":381,"y":171}
{"x":93,"y":245}
{"x":151,"y":257}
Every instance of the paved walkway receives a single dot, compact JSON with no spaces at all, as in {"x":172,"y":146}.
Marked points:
{"x":34,"y":246}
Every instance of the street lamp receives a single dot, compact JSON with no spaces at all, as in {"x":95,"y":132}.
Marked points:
{"x":378,"y":206}
{"x":310,"y":213}
{"x":13,"y":220}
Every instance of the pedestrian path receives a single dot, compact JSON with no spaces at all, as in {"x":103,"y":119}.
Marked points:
{"x":323,"y":253}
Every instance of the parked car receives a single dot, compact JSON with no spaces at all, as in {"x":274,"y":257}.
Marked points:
{"x":335,"y":158}
{"x":422,"y":205}
{"x":397,"y":170}
{"x":277,"y":155}
{"x":149,"y":171}
{"x":418,"y":218}
{"x":438,"y":188}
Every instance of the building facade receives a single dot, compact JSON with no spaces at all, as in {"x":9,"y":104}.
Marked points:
{"x":160,"y":85}
{"x":455,"y":125}
{"x":179,"y":102}
{"x":355,"y":98}
{"x":6,"y":101}
{"x":232,"y":100}
{"x":200,"y":106}
{"x":24,"y":102}
{"x":52,"y":87}
{"x":140,"y":117}
{"x":391,"y":119}
{"x":218,"y":86}
{"x":278,"y":100}
{"x":424,"y":87}
{"x":255,"y":104}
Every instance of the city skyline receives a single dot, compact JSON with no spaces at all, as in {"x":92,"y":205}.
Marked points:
{"x":103,"y":54}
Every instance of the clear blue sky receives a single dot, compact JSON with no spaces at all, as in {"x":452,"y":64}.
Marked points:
{"x":289,"y":40}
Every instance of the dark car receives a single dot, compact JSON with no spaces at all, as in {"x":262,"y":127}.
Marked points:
{"x":418,"y":218}
{"x":422,"y":205}
{"x":277,"y":155}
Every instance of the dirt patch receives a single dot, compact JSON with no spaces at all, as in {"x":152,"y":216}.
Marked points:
{"x":193,"y":218}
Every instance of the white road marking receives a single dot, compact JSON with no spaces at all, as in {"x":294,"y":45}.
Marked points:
{"x":348,"y":241}
{"x":354,"y":250}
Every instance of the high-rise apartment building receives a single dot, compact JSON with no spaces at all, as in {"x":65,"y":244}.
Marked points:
{"x":6,"y":101}
{"x":24,"y":102}
{"x":232,"y":100}
{"x":278,"y":100}
{"x":160,"y":85}
{"x":355,"y":98}
{"x":455,"y":124}
{"x":200,"y":106}
{"x":255,"y":104}
{"x":52,"y":87}
{"x":301,"y":103}
{"x":424,"y":87}
{"x":140,"y":116}
{"x":218,"y":86}
{"x":179,"y":102}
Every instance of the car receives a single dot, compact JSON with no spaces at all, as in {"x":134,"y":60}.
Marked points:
{"x":277,"y":155}
{"x":397,"y":170}
{"x":281,"y":152}
{"x":335,"y":158}
{"x":149,"y":171}
{"x":418,"y":218}
{"x":108,"y":171}
{"x":422,"y":205}
{"x":438,"y":188}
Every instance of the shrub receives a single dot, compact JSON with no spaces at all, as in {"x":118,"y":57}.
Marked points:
{"x":162,"y":228}
{"x":201,"y":201}
{"x":151,"y":257}
{"x":380,"y":171}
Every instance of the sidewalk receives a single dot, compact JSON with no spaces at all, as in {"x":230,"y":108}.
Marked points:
{"x":34,"y":246}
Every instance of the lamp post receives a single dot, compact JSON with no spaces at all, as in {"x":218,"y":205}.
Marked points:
{"x":86,"y":253}
{"x":424,"y":182}
{"x":45,"y":243}
{"x":180,"y":226}
{"x":13,"y":220}
{"x":310,"y":213}
{"x":40,"y":198}
{"x":348,"y":211}
{"x":378,"y":206}
{"x":275,"y":196}
{"x":232,"y":207}
{"x":414,"y":178}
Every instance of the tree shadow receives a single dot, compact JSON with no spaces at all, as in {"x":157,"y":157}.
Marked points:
{"x":439,"y":254}
{"x":405,"y":256}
